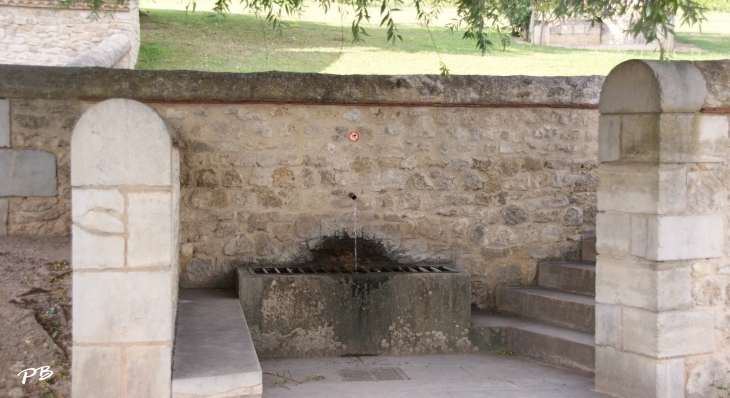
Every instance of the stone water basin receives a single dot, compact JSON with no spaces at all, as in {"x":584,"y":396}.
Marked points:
{"x":383,"y":308}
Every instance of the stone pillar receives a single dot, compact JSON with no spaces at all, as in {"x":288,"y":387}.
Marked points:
{"x":649,"y":236}
{"x":125,"y":194}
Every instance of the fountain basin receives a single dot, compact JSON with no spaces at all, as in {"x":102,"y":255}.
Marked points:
{"x":333,"y":311}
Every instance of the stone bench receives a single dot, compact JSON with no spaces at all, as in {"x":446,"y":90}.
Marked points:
{"x":214,"y":354}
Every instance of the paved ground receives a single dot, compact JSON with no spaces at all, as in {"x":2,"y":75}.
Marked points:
{"x":440,"y":376}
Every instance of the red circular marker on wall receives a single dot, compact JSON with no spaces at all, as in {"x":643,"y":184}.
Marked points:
{"x":353,"y":136}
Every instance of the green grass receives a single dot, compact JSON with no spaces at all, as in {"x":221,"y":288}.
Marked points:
{"x":172,"y":39}
{"x":714,"y":36}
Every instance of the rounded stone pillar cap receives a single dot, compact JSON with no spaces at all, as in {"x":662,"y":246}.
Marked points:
{"x":641,"y":86}
{"x":121,"y":142}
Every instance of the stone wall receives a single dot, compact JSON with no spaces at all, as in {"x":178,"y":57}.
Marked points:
{"x":584,"y":32}
{"x":493,"y":190}
{"x":34,"y":32}
{"x":490,"y":174}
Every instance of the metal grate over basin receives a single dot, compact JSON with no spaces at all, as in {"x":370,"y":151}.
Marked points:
{"x":363,"y":269}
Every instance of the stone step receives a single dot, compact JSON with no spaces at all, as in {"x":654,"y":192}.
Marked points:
{"x":570,"y":310}
{"x":536,"y":340}
{"x":568,"y":277}
{"x":214,"y":353}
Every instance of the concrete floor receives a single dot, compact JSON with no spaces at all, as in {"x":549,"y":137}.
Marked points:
{"x":433,"y":376}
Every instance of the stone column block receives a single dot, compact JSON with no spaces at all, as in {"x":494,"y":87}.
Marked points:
{"x":640,"y":138}
{"x":613,"y":233}
{"x":4,"y":123}
{"x":668,"y":334}
{"x":123,"y":307}
{"x":666,"y":137}
{"x":150,"y":229}
{"x":94,"y":251}
{"x":643,"y":284}
{"x":624,"y":374}
{"x":642,"y":188}
{"x":98,"y":229}
{"x":693,"y":138}
{"x":148,"y":371}
{"x":609,"y":138}
{"x":666,"y":238}
{"x":121,"y":142}
{"x":608,"y":325}
{"x":96,"y":371}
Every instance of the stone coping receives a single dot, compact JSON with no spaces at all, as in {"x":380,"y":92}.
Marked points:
{"x":106,"y":54}
{"x":53,"y":4}
{"x":214,"y":353}
{"x":20,"y":81}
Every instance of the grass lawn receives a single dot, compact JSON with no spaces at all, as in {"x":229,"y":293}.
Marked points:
{"x":172,"y":39}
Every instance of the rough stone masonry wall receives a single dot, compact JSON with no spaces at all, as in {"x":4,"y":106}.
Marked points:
{"x":34,"y":32}
{"x":490,"y":174}
{"x":493,"y":190}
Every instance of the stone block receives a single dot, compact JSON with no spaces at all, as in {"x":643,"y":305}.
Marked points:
{"x":214,"y":353}
{"x":402,"y":300}
{"x":668,"y":334}
{"x":96,"y":371}
{"x":624,"y":374}
{"x":613,"y":233}
{"x":608,"y":325}
{"x":148,"y":371}
{"x":642,"y":86}
{"x":667,"y":137}
{"x":640,"y":138}
{"x":150,"y":229}
{"x":96,"y":251}
{"x":663,"y":238}
{"x":4,"y":123}
{"x":692,"y":137}
{"x":643,"y":284}
{"x":609,"y":138}
{"x":123,"y":306}
{"x":27,"y":173}
{"x":588,"y":248}
{"x":121,"y":142}
{"x":642,"y":188}
{"x":3,"y":217}
{"x":98,"y":210}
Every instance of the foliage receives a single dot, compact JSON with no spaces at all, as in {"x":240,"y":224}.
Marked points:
{"x":651,"y":18}
{"x":715,"y":5}
{"x":518,"y":14}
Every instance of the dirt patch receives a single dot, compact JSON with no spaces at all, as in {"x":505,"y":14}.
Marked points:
{"x":35,"y":314}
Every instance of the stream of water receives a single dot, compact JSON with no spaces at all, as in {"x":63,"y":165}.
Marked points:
{"x":355,"y":232}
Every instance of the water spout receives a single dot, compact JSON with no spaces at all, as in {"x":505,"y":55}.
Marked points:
{"x":354,"y":200}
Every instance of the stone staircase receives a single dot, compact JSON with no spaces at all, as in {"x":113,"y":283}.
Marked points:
{"x":552,"y":322}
